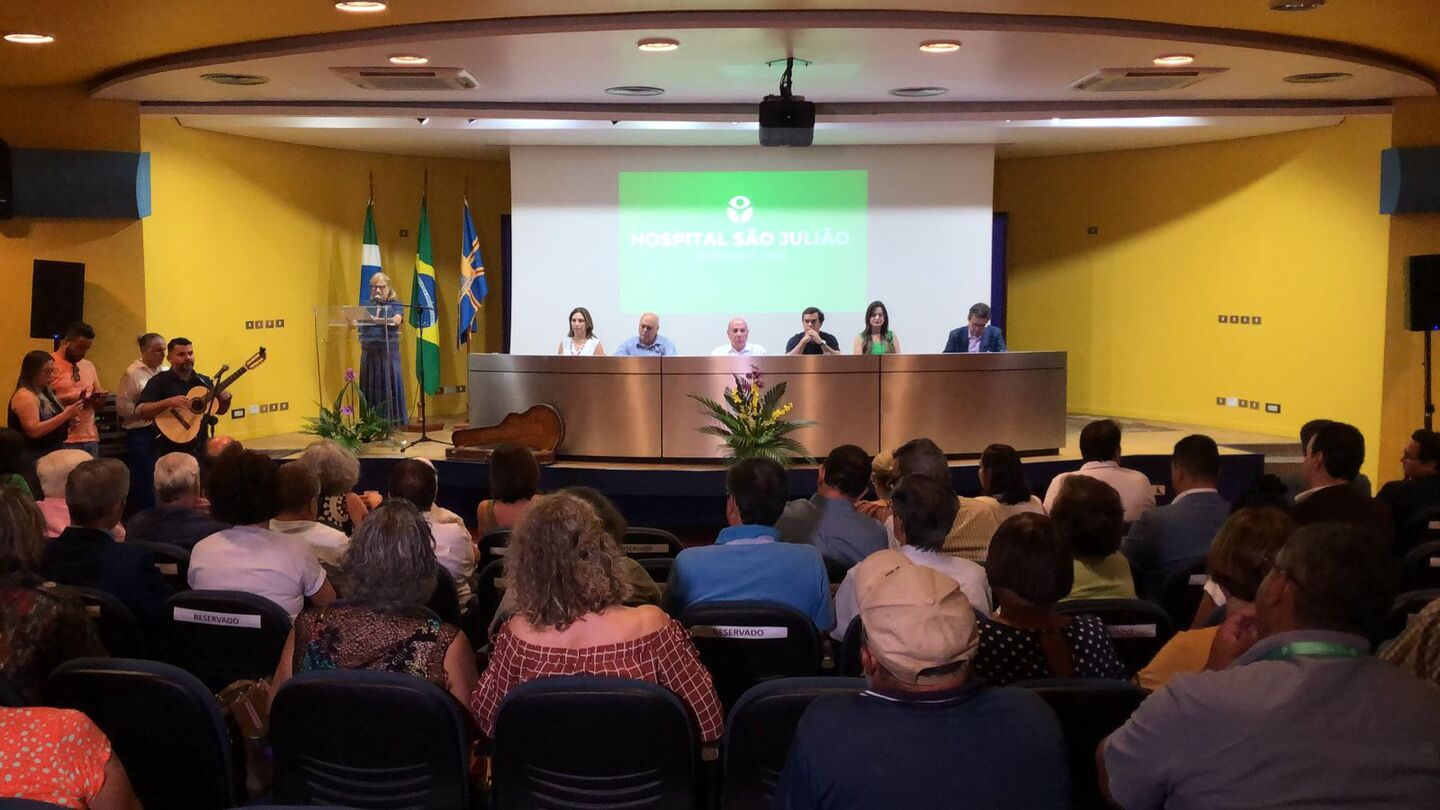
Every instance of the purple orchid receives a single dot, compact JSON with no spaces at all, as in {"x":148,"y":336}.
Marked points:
{"x":349,"y":375}
{"x":346,"y":410}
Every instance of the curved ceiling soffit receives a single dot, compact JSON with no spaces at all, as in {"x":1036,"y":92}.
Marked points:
{"x":686,"y":20}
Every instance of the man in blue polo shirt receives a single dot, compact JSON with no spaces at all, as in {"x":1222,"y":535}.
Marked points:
{"x":747,"y":563}
{"x":649,"y":342}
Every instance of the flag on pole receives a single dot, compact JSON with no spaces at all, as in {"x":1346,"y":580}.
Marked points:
{"x":473,"y":286}
{"x":369,"y":254}
{"x":425,"y":317}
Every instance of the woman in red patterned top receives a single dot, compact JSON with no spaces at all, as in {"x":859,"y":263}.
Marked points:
{"x":569,"y":619}
{"x":59,"y":756}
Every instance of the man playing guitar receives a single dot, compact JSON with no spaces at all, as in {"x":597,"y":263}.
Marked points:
{"x":168,"y":389}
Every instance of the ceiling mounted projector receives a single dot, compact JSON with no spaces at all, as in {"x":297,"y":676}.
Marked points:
{"x":787,"y":119}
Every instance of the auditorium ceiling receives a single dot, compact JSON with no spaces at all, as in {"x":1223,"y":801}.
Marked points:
{"x":1028,"y":75}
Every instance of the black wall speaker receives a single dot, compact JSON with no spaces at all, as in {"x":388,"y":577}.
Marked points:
{"x":1410,"y":180}
{"x":57,"y":297}
{"x":1422,"y":293}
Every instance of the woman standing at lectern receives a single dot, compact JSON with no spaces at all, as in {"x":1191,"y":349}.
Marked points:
{"x":877,"y":337}
{"x":580,"y":341}
{"x":381,"y":380}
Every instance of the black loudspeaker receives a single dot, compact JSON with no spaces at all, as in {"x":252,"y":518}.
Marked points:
{"x":7,"y":194}
{"x":57,"y":297}
{"x":1422,"y":293}
{"x":1410,"y":180}
{"x":787,"y":121}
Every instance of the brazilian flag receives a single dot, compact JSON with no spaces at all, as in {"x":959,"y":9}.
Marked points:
{"x":425,"y":317}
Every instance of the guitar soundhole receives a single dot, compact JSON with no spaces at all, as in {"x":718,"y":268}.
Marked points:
{"x":197,"y":405}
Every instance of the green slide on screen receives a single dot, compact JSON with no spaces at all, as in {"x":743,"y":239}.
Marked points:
{"x":735,"y":243}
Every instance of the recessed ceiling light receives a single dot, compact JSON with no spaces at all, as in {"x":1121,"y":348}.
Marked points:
{"x":29,"y":39}
{"x":235,"y":79}
{"x":919,"y":92}
{"x":1173,"y":59}
{"x":940,"y":46}
{"x":658,"y":44}
{"x":409,"y":59}
{"x":634,"y":90}
{"x":1318,"y":78}
{"x":1295,"y":5}
{"x":361,"y":6}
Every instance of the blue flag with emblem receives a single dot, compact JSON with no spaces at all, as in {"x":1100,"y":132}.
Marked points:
{"x":369,"y":254}
{"x":473,"y":286}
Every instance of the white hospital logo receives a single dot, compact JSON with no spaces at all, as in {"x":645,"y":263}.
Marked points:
{"x":739,"y":209}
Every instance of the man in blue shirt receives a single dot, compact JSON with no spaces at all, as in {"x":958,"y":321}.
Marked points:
{"x":923,"y":734}
{"x":649,"y":342}
{"x":747,"y":563}
{"x":1168,"y":537}
{"x":977,"y":335}
{"x":828,"y":520}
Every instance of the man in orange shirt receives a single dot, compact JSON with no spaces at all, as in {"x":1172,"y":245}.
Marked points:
{"x":75,"y":379}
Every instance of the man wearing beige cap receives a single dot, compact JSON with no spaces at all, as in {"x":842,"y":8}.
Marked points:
{"x":923,"y":734}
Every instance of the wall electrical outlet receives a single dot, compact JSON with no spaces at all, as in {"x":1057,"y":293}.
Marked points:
{"x":249,"y":324}
{"x":459,"y":389}
{"x":279,"y":323}
{"x":1245,"y":319}
{"x":1254,"y":404}
{"x":284,"y":406}
{"x":254,"y":409}
{"x":237,"y":413}
{"x":270,"y":324}
{"x":1224,"y":319}
{"x":1244,"y":403}
{"x":1219,"y":400}
{"x":1255,"y":319}
{"x":1232,"y":401}
{"x":1272,"y":407}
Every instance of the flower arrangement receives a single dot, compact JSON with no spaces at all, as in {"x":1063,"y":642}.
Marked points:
{"x":751,"y":420}
{"x":350,"y":420}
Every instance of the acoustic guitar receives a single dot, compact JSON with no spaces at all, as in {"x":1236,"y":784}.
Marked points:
{"x":182,"y":426}
{"x":539,"y":428}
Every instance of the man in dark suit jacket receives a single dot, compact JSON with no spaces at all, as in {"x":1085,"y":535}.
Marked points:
{"x":86,"y":554}
{"x":1166,"y":537}
{"x":1332,"y":460}
{"x":978,"y":332}
{"x":176,"y":518}
{"x":1420,"y":490}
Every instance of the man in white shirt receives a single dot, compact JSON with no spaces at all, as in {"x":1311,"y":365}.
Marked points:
{"x":413,"y":480}
{"x":739,"y":333}
{"x":139,"y":433}
{"x":299,"y":502}
{"x":923,"y":510}
{"x":1100,"y":448}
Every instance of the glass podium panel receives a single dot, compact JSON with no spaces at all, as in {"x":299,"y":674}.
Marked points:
{"x":361,"y":344}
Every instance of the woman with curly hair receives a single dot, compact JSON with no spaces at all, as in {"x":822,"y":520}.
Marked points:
{"x":569,"y":618}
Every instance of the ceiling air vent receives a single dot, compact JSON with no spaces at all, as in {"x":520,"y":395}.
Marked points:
{"x":408,"y":79}
{"x":1143,"y":80}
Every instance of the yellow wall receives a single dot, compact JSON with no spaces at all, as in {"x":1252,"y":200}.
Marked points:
{"x":1282,"y":226}
{"x":63,"y":117}
{"x":245,"y":229}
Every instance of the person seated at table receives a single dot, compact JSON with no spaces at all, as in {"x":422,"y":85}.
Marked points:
{"x":877,"y":337}
{"x":738,"y":331}
{"x":649,"y":342}
{"x":1088,"y":513}
{"x":339,"y":471}
{"x":810,"y":340}
{"x":977,"y":335}
{"x":580,"y":341}
{"x":390,"y":572}
{"x":514,"y":486}
{"x":569,"y":619}
{"x":176,"y":517}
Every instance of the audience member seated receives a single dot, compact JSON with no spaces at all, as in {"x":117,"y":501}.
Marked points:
{"x":1100,"y":448}
{"x":1002,"y":479}
{"x":1295,"y":482}
{"x":339,"y":472}
{"x":390,"y":571}
{"x":414,"y":481}
{"x":86,"y":554}
{"x":438,"y":513}
{"x":925,"y":734}
{"x":1030,"y":569}
{"x":41,"y":627}
{"x":1417,"y":649}
{"x":882,"y":476}
{"x":1420,"y":489}
{"x":975,"y":522}
{"x":14,"y":472}
{"x":569,"y":620}
{"x":747,"y":563}
{"x":1089,"y":516}
{"x":1239,"y":559}
{"x":923,"y":510}
{"x":514,"y":486}
{"x":1299,"y":715}
{"x":1169,"y":536}
{"x":248,"y":556}
{"x":176,"y":517}
{"x":60,"y":757}
{"x":1332,"y":460}
{"x":298,"y":500}
{"x":53,"y":470}
{"x":827,"y":520}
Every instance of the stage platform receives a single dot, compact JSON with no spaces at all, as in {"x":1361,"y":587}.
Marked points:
{"x":689,"y":499}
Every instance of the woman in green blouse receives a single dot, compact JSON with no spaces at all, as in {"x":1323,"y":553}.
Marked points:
{"x":877,"y":337}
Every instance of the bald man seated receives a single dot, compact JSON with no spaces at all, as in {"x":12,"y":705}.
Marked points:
{"x":649,"y":342}
{"x":739,"y":333}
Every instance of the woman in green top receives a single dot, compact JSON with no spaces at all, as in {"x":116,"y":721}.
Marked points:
{"x":877,"y":337}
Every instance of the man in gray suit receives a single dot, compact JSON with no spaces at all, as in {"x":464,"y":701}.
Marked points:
{"x":1166,"y":537}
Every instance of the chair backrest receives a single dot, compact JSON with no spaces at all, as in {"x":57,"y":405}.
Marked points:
{"x":358,"y":738}
{"x":173,"y":562}
{"x":1420,"y":567}
{"x":224,"y":636}
{"x":117,"y":628}
{"x":1137,"y":628}
{"x":445,"y":599}
{"x":835,"y":570}
{"x":646,"y":544}
{"x":1405,"y":605}
{"x":163,"y":723}
{"x":27,"y":804}
{"x":849,"y":664}
{"x":493,"y":546}
{"x":1182,"y":591}
{"x":1089,"y":709}
{"x":490,"y":588}
{"x":593,"y":742}
{"x":744,"y":643}
{"x":658,"y":568}
{"x":758,"y":734}
{"x":10,"y":696}
{"x":1420,"y":528}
